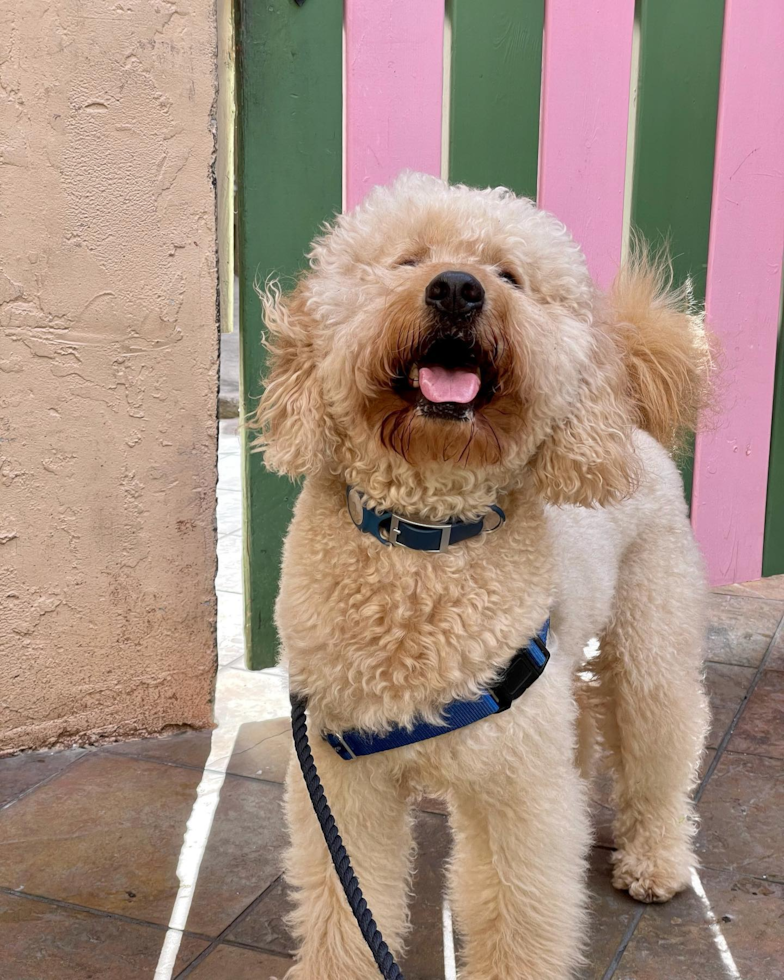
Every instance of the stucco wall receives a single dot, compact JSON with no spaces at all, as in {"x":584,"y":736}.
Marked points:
{"x":108,"y":366}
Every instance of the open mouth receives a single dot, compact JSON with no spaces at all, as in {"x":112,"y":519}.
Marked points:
{"x":449,"y":380}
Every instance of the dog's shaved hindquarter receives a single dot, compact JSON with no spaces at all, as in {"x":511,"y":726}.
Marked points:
{"x":550,"y":381}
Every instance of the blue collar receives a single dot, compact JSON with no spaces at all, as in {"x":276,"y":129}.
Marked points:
{"x":523,"y":669}
{"x":420,"y":535}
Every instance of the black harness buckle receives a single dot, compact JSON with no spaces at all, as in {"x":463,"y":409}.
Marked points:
{"x":525,"y":667}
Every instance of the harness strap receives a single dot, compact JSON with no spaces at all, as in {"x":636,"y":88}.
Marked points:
{"x":523,"y":669}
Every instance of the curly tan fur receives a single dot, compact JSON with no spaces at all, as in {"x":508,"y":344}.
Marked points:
{"x":588,"y":458}
{"x":664,"y":345}
{"x":291,"y":416}
{"x":596,"y":537}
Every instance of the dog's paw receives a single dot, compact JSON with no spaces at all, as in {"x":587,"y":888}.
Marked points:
{"x":649,"y":878}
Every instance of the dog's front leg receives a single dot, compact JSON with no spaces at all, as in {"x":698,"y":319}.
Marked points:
{"x":517,"y":878}
{"x":375,"y":825}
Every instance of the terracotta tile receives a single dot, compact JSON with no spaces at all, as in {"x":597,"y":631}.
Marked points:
{"x":602,"y":810}
{"x":707,"y":758}
{"x":727,"y":686}
{"x":241,"y":693}
{"x":611,"y":913}
{"x":776,"y":659}
{"x":762,"y":588}
{"x":42,"y":941}
{"x":265,"y":926}
{"x":243,"y":856}
{"x":107,"y":835}
{"x":676,"y":940}
{"x":229,"y":577}
{"x":235,"y":963}
{"x":182,"y":749}
{"x":20,"y":773}
{"x":760,"y":731}
{"x":229,"y":511}
{"x":263,"y":749}
{"x":741,"y":816}
{"x":741,"y":628}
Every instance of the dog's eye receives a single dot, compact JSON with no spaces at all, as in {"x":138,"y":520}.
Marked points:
{"x":509,"y":276}
{"x":411,"y":260}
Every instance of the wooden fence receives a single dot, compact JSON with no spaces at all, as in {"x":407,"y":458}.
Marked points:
{"x":664,"y":115}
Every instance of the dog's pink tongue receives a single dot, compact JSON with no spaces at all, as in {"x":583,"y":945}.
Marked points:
{"x":439,"y":384}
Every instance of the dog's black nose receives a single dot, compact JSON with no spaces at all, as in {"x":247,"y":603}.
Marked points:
{"x":455,"y":292}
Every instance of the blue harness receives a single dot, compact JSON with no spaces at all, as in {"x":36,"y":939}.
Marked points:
{"x":520,"y":673}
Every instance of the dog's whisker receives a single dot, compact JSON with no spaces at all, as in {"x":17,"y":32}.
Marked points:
{"x":409,"y":430}
{"x":467,"y":447}
{"x":490,"y":426}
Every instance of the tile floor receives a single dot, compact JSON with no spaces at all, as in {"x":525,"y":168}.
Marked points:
{"x":161,"y":858}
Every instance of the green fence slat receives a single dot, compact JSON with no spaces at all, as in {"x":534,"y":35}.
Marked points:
{"x":290,"y":93}
{"x":773,"y":552}
{"x":495,"y":87}
{"x":677,"y":105}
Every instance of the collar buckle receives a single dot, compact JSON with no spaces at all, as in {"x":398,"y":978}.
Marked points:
{"x":445,"y":529}
{"x":422,"y":535}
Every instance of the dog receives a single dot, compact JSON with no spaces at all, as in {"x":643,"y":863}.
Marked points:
{"x":447,"y":353}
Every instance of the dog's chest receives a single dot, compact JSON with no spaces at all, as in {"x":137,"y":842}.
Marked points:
{"x":376,"y":633}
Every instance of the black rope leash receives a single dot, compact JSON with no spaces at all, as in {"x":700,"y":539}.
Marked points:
{"x":367,"y":925}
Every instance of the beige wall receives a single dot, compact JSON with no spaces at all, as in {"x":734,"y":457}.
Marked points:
{"x":108,"y":367}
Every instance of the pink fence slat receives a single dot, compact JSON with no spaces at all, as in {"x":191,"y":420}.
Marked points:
{"x":585,"y":114}
{"x":744,"y":289}
{"x":394,"y":73}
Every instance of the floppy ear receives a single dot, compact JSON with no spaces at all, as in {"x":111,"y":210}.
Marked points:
{"x":589,"y":458}
{"x":290,"y":414}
